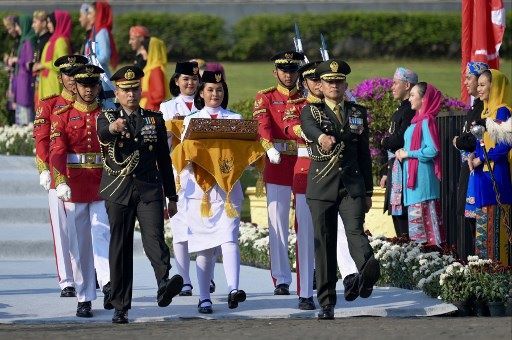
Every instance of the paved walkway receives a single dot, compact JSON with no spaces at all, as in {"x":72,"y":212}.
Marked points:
{"x":29,"y":292}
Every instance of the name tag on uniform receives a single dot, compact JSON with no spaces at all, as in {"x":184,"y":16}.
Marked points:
{"x":278,"y":102}
{"x":75,"y":118}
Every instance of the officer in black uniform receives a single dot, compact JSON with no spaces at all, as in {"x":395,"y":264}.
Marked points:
{"x":136,"y":167}
{"x":339,"y":181}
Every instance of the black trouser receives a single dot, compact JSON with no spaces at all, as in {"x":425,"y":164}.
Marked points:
{"x":325,"y":222}
{"x":401,"y":224}
{"x":122,"y":222}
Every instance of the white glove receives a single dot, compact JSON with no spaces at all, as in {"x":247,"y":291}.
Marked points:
{"x":274,"y":156}
{"x":63,"y":192}
{"x":44,"y":179}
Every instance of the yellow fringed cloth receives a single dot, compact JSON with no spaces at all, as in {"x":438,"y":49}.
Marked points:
{"x":175,"y":127}
{"x":218,"y":161}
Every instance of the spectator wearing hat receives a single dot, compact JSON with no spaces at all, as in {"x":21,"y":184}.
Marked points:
{"x":270,"y":109}
{"x":155,"y":85}
{"x":139,"y":42}
{"x":76,"y":163}
{"x":183,"y":86}
{"x":218,"y":228}
{"x":41,"y":134}
{"x":403,"y":81}
{"x":339,"y":182}
{"x":137,"y":174}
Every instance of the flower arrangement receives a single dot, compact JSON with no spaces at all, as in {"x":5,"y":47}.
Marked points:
{"x":17,"y":140}
{"x":491,"y":281}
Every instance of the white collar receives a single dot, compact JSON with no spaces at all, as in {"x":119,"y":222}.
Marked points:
{"x":186,"y":98}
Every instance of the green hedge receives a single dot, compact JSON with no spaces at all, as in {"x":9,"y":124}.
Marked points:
{"x":359,"y":35}
{"x":256,"y":37}
{"x":187,"y":35}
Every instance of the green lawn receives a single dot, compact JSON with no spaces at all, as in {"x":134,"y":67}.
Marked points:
{"x":245,"y":79}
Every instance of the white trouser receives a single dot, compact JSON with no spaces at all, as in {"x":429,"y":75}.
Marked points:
{"x":89,"y":235}
{"x":60,"y":240}
{"x":305,"y":247}
{"x":231,"y":263}
{"x":346,"y":264}
{"x":278,"y":206}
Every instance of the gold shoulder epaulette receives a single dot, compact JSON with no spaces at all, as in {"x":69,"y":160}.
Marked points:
{"x":272,"y":88}
{"x":49,"y":97}
{"x":296,"y":101}
{"x":63,"y":109}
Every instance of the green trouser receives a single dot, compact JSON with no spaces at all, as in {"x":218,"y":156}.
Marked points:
{"x":325,"y":222}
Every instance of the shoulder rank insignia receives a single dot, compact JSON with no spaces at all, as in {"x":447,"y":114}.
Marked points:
{"x":296,"y":101}
{"x":49,"y":97}
{"x":272,"y":88}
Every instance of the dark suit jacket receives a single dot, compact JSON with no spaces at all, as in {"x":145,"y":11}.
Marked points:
{"x":154,"y":168}
{"x":353,"y":167}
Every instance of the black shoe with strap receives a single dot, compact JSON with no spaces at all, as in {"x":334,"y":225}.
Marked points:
{"x":370,"y":274}
{"x":282,"y":289}
{"x":167,"y":289}
{"x":84,"y":309}
{"x":107,"y":296}
{"x":188,"y":291}
{"x":68,"y":292}
{"x":306,"y":303}
{"x":120,"y":316}
{"x":205,"y":309}
{"x":235,"y":297}
{"x":327,"y":313}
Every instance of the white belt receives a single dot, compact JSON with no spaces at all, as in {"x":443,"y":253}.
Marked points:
{"x":84,"y":158}
{"x":302,"y":152}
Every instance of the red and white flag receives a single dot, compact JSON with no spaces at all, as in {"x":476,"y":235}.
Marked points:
{"x":483,"y":26}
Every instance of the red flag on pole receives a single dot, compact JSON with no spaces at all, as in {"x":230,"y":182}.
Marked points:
{"x":483,"y":26}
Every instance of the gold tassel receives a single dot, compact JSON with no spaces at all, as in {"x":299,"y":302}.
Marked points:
{"x":230,"y":209}
{"x":260,"y":186}
{"x":178,"y":183}
{"x":206,"y":208}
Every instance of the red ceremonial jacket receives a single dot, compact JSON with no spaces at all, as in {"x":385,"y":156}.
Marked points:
{"x":42,"y":126}
{"x":75,"y":152}
{"x":271,"y":109}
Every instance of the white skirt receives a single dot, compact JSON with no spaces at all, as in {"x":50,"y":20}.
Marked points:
{"x":210,"y":232}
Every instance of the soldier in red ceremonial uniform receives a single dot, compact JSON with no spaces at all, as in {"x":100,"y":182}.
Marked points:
{"x":44,"y":113}
{"x":270,"y":109}
{"x":77,"y":166}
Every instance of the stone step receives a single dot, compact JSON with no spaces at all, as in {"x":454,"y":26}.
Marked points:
{"x":20,"y":182}
{"x":33,"y":240}
{"x":24,"y":209}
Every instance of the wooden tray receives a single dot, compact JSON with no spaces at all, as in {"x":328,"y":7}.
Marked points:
{"x":204,"y":128}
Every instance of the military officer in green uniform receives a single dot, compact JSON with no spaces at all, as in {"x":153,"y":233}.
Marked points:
{"x":339,"y":182}
{"x":137,"y":174}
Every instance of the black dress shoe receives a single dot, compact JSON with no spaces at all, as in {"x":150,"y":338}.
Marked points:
{"x":68,"y":292}
{"x":107,"y":297}
{"x":205,"y":309}
{"x":187,"y":291}
{"x":84,"y":309}
{"x":327,"y":313}
{"x":282,"y":289}
{"x":306,"y":303}
{"x":212,"y":286}
{"x":235,"y":297}
{"x":168,"y":289}
{"x":351,"y":284}
{"x":120,"y":316}
{"x":369,"y":276}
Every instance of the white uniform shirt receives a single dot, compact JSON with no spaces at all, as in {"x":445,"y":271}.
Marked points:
{"x":177,"y":107}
